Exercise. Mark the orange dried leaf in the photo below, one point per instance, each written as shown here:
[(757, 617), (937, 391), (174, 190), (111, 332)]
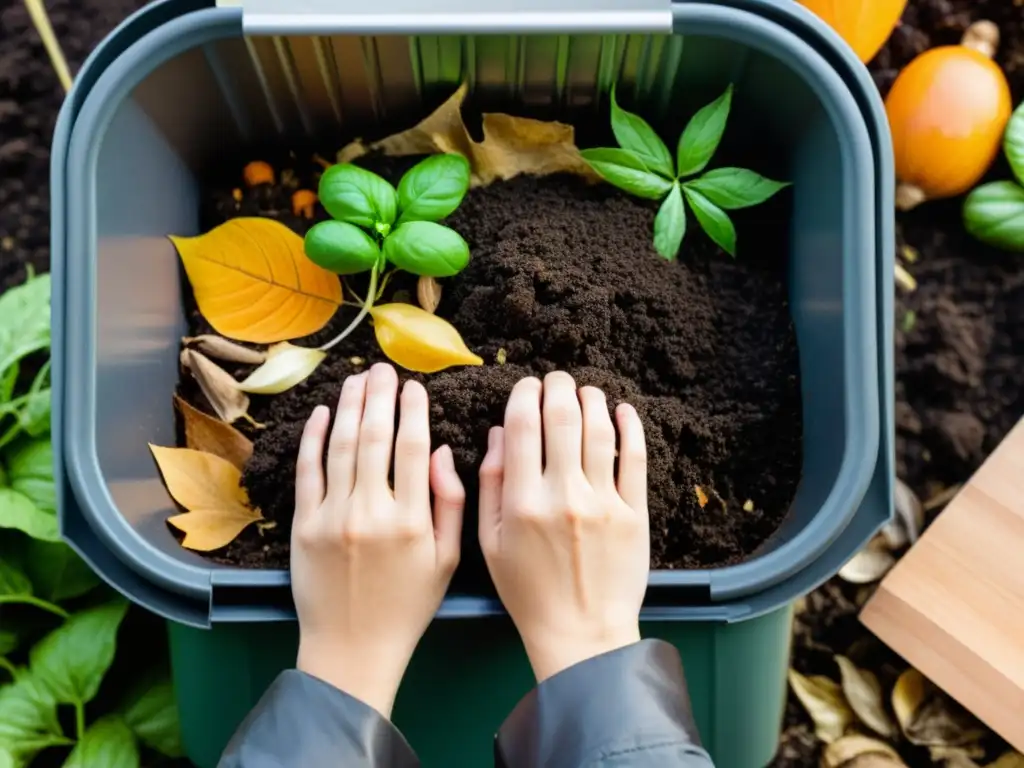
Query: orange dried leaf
[(209, 487), (258, 172), (303, 201), (865, 25), (419, 341), (253, 282), (702, 498), (211, 435)]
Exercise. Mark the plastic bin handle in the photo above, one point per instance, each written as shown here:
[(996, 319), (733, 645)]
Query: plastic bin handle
[(452, 17)]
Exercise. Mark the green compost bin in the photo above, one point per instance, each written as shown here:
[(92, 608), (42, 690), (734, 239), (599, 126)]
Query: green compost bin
[(182, 78)]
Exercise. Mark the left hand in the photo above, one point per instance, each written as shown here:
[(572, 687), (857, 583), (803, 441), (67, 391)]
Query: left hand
[(370, 565)]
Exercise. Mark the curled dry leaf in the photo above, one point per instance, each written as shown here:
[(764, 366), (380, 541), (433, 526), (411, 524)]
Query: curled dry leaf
[(928, 717), (864, 694), (221, 390), (511, 145), (957, 757), (905, 528), (824, 701), (253, 282), (210, 488), (224, 349), (205, 433), (286, 366), (853, 749), (1008, 760), (868, 565), (418, 340), (428, 293)]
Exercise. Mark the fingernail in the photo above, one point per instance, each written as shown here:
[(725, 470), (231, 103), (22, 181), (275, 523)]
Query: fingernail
[(317, 411)]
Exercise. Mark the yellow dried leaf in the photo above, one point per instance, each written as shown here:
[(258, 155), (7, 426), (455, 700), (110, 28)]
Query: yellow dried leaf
[(864, 694), (253, 282), (957, 757), (286, 366), (223, 349), (210, 488), (928, 717), (227, 400), (418, 340), (511, 145), (205, 433), (824, 701), (854, 749)]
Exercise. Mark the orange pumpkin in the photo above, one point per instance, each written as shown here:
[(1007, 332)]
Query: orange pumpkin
[(947, 111), (865, 25)]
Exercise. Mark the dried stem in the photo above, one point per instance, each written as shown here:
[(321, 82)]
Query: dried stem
[(41, 20)]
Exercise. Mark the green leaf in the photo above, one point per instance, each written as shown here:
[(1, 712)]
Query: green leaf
[(7, 759), (30, 472), (9, 642), (1013, 142), (56, 572), (28, 719), (702, 135), (152, 713), (109, 743), (670, 224), (634, 134), (426, 248), (354, 194), (994, 214), (24, 320), (732, 188), (8, 379), (13, 581), (433, 188), (71, 660), (341, 247), (17, 511), (625, 170), (713, 220)]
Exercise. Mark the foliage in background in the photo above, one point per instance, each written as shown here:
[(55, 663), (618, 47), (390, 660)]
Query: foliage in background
[(60, 626), (643, 166), (994, 212)]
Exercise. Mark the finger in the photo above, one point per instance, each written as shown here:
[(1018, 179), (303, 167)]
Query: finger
[(449, 502), (309, 468), (632, 458), (341, 454), (492, 472), (412, 451), (598, 439), (377, 432), (563, 425), (522, 449)]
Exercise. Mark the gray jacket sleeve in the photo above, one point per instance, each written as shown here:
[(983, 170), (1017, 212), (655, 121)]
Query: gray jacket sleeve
[(628, 708), (303, 722)]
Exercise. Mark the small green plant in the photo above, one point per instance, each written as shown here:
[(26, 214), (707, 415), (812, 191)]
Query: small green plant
[(375, 224), (643, 166), (994, 212)]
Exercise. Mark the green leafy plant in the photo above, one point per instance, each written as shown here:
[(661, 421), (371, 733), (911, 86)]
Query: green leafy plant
[(994, 212), (643, 166), (60, 625), (374, 224)]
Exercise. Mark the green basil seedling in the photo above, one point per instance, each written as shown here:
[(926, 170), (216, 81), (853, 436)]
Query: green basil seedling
[(643, 166), (373, 224), (994, 212)]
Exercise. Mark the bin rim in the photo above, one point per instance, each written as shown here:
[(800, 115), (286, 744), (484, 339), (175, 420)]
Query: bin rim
[(731, 587)]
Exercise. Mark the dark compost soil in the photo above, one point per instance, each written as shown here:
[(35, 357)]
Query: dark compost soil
[(564, 276), (959, 363)]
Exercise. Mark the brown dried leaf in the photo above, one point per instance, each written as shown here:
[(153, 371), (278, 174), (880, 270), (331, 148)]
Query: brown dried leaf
[(210, 488), (1008, 760), (220, 348), (428, 293), (854, 749), (864, 693), (226, 399), (511, 145), (210, 435), (824, 701), (928, 717)]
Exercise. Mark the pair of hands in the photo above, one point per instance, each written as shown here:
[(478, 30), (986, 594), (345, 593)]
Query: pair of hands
[(565, 540)]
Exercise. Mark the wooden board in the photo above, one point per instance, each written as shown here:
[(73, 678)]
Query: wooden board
[(953, 606)]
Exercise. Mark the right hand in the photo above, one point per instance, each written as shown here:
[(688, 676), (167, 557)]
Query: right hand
[(566, 542)]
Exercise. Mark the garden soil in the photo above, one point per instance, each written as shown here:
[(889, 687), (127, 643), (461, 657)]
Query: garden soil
[(563, 276)]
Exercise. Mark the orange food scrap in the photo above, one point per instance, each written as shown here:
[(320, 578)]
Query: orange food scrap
[(702, 498), (303, 201), (258, 172), (236, 193)]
